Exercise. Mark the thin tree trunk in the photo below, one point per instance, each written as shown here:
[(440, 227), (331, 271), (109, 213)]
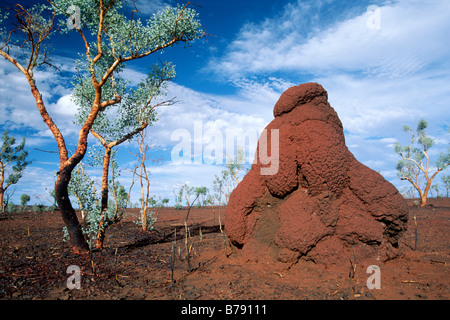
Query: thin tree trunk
[(416, 236), (2, 179), (102, 225), (105, 173), (77, 240), (147, 194), (2, 191)]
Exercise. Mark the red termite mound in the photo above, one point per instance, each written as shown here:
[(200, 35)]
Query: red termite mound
[(320, 204)]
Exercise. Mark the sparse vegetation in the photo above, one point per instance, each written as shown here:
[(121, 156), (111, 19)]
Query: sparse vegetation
[(14, 157), (111, 38), (446, 182), (95, 222)]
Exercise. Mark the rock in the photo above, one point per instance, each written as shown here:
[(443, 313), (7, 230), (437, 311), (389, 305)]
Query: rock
[(321, 203)]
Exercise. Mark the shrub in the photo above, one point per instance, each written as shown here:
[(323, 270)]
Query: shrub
[(11, 207), (178, 206), (151, 220), (38, 208)]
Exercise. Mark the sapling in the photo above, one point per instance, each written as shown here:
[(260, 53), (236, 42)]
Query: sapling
[(147, 219)]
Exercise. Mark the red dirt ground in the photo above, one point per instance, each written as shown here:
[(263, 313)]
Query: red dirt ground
[(136, 264)]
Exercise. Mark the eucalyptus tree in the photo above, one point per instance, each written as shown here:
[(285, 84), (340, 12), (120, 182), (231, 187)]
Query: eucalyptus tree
[(186, 192), (14, 157), (111, 37), (414, 165), (224, 184), (131, 115), (201, 192)]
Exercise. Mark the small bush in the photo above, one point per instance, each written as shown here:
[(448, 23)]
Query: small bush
[(151, 220), (178, 206), (11, 207), (38, 208)]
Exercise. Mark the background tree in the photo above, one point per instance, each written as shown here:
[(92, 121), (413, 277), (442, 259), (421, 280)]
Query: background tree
[(436, 188), (236, 164), (143, 174), (224, 184), (414, 164), (111, 38), (201, 193), (186, 192), (446, 182), (11, 155), (24, 198)]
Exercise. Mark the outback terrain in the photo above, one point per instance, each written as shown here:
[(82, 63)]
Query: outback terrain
[(138, 265)]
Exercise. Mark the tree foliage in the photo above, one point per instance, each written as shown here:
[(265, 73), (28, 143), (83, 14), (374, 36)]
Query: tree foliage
[(24, 199), (201, 193), (94, 221), (228, 179)]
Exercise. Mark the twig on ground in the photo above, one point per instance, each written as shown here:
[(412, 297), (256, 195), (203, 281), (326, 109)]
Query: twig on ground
[(172, 261), (115, 269), (352, 265)]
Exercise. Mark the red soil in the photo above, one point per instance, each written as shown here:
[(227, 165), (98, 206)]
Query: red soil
[(136, 264)]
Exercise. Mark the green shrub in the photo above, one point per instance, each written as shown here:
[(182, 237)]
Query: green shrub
[(178, 206), (11, 207), (151, 220)]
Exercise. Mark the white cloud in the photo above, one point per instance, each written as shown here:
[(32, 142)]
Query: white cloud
[(149, 7), (377, 80), (18, 107), (212, 113), (412, 35)]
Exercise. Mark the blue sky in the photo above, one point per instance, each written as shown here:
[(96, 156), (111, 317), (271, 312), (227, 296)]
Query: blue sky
[(383, 63)]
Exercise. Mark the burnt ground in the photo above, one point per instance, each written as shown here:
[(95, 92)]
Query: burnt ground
[(137, 265)]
